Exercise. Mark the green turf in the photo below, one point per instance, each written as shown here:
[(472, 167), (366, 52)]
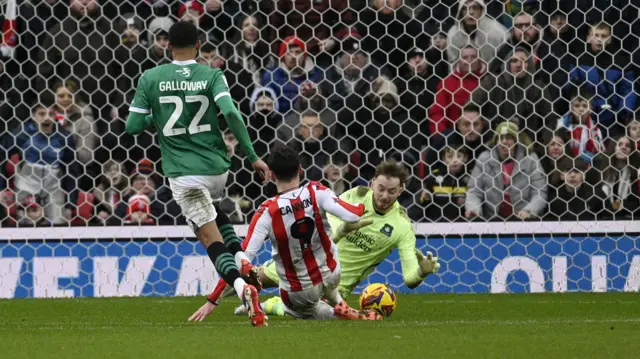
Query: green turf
[(424, 326)]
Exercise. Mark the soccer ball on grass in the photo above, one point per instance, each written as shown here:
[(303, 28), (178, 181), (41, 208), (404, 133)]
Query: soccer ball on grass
[(379, 298)]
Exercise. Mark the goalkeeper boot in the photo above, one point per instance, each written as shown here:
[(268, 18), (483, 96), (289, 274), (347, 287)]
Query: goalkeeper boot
[(273, 306), (252, 302), (250, 274)]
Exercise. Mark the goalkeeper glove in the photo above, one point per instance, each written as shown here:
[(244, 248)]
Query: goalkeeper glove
[(428, 264), (350, 227)]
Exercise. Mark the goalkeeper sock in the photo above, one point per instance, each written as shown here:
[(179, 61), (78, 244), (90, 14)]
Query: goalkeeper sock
[(231, 240), (226, 266)]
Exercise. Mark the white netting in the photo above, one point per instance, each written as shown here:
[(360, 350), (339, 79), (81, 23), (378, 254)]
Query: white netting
[(429, 83)]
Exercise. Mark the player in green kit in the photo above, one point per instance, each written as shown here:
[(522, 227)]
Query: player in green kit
[(360, 248), (184, 101)]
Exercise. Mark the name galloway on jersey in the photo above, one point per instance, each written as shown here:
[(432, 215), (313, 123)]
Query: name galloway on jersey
[(182, 85)]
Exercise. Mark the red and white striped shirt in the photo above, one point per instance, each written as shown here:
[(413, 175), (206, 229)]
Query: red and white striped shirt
[(295, 222)]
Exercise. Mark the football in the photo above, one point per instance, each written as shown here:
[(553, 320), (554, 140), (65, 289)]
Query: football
[(380, 298)]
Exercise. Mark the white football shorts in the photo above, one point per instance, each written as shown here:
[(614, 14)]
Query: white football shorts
[(196, 195)]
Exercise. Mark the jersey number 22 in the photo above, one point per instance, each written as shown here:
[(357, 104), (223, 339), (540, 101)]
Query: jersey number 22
[(194, 126)]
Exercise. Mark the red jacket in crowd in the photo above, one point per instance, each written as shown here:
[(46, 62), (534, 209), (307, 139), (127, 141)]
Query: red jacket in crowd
[(452, 94)]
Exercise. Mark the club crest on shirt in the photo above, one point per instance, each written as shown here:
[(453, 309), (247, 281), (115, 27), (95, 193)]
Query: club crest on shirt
[(387, 229), (185, 71)]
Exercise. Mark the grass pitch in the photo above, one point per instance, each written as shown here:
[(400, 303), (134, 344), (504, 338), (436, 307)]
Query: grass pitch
[(423, 326)]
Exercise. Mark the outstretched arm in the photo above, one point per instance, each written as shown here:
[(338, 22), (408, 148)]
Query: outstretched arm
[(329, 202), (415, 266)]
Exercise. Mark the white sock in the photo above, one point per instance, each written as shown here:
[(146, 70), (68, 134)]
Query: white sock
[(238, 285), (239, 256)]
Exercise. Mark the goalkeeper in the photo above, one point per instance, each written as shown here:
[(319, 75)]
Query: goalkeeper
[(361, 245)]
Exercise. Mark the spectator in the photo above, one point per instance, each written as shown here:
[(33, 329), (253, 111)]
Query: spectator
[(605, 70), (296, 76), (349, 79), (585, 136), (633, 130), (455, 90), (143, 181), (193, 12), (33, 215), (82, 46), (515, 93), (158, 36), (249, 49), (557, 57), (138, 211), (219, 18), (336, 174), (75, 116), (507, 182), (574, 197), (470, 133), (243, 192), (474, 27), (314, 142), (615, 175), (391, 127), (387, 32), (445, 189), (108, 193), (128, 59), (313, 22), (264, 119), (417, 82), (238, 79), (437, 55), (524, 34), (46, 152), (555, 152)]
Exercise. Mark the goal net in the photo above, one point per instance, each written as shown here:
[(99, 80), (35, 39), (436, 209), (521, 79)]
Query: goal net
[(517, 121)]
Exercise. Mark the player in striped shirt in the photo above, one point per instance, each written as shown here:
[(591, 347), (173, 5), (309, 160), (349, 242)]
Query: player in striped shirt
[(304, 254), (360, 250)]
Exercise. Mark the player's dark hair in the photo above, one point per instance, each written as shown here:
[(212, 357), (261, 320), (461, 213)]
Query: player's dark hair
[(183, 34), (284, 162), (392, 169)]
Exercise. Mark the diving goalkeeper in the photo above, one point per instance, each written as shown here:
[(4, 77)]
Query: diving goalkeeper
[(361, 245)]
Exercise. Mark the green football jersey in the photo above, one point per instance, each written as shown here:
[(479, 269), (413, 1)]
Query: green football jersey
[(181, 98), (361, 251)]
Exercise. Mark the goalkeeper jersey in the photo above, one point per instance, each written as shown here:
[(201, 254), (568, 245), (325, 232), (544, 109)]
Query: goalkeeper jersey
[(362, 250), (182, 98)]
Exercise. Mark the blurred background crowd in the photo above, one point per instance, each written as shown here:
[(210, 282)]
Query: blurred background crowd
[(501, 109)]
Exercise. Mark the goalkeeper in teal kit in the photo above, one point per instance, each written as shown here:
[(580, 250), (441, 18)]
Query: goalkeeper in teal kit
[(361, 245), (184, 101)]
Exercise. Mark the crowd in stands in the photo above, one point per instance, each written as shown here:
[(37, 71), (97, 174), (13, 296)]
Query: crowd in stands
[(502, 110)]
